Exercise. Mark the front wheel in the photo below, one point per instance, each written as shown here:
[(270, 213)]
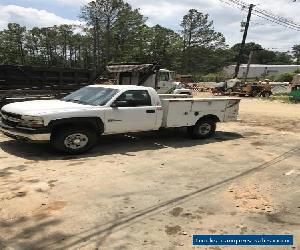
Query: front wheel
[(202, 129), (73, 140)]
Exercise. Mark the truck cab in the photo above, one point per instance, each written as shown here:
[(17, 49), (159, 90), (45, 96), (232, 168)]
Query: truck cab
[(167, 83), (148, 75)]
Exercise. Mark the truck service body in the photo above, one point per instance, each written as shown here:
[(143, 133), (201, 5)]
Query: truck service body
[(73, 124)]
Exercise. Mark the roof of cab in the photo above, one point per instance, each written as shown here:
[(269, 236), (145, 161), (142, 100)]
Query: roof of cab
[(121, 87)]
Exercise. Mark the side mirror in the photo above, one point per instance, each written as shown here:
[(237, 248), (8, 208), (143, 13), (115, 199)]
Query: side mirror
[(118, 104), (114, 106)]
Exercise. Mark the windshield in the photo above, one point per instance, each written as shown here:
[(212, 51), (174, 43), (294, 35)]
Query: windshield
[(95, 96)]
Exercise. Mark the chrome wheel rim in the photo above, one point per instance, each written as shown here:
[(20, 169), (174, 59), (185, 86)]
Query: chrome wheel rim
[(76, 141), (204, 129)]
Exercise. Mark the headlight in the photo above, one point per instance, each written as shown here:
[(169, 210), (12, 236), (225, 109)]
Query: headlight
[(32, 121)]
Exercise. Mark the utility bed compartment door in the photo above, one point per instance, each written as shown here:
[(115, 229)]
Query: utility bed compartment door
[(176, 113), (215, 107)]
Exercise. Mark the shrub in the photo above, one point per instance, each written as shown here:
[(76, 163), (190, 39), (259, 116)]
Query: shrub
[(285, 77)]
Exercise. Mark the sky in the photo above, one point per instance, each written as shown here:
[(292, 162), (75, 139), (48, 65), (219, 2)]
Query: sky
[(168, 13)]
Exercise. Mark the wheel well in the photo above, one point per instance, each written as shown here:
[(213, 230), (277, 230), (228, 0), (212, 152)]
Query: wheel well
[(210, 117), (93, 123)]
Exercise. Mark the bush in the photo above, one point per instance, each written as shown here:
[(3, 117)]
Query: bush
[(285, 77), (211, 77)]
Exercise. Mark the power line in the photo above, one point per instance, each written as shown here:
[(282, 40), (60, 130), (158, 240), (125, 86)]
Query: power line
[(242, 8), (270, 15), (270, 19), (265, 14), (280, 18), (277, 22)]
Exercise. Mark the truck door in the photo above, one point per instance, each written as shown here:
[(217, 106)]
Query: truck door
[(133, 112), (164, 83)]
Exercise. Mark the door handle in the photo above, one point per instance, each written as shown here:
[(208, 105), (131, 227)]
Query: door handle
[(150, 111)]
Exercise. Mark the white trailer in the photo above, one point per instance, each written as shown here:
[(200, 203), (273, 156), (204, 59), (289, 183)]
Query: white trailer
[(260, 70)]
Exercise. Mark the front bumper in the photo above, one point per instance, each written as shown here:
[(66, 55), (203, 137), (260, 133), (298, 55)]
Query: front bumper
[(22, 134)]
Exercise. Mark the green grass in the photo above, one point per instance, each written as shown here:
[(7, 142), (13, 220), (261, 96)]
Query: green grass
[(283, 98), (281, 94)]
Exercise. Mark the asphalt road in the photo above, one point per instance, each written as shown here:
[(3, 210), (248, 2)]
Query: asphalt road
[(155, 190)]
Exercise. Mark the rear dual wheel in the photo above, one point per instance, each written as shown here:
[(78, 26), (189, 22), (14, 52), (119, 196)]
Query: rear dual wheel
[(202, 129)]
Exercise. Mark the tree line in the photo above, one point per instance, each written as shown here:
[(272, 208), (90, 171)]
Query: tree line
[(114, 32)]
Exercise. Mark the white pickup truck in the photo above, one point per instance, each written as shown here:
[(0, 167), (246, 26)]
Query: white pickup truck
[(73, 125)]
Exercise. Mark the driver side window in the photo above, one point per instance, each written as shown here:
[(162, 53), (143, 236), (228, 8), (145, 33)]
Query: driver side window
[(135, 98)]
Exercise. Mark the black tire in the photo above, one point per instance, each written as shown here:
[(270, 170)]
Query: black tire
[(63, 140), (202, 129)]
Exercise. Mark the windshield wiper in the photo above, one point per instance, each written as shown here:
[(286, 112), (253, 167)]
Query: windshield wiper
[(76, 101)]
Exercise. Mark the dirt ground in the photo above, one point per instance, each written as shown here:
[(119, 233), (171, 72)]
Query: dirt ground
[(155, 190)]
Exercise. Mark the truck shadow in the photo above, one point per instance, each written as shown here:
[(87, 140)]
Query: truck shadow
[(116, 144), (31, 227)]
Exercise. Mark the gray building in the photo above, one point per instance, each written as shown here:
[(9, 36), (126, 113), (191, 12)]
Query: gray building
[(261, 70)]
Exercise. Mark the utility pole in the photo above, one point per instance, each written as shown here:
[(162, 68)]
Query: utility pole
[(239, 58), (248, 65)]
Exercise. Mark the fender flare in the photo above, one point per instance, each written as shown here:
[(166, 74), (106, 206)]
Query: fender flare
[(91, 122), (214, 118)]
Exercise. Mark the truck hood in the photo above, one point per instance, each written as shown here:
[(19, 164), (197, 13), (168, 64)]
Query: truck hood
[(44, 107)]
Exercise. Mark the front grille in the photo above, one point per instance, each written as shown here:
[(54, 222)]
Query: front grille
[(9, 123), (12, 115), (10, 119)]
